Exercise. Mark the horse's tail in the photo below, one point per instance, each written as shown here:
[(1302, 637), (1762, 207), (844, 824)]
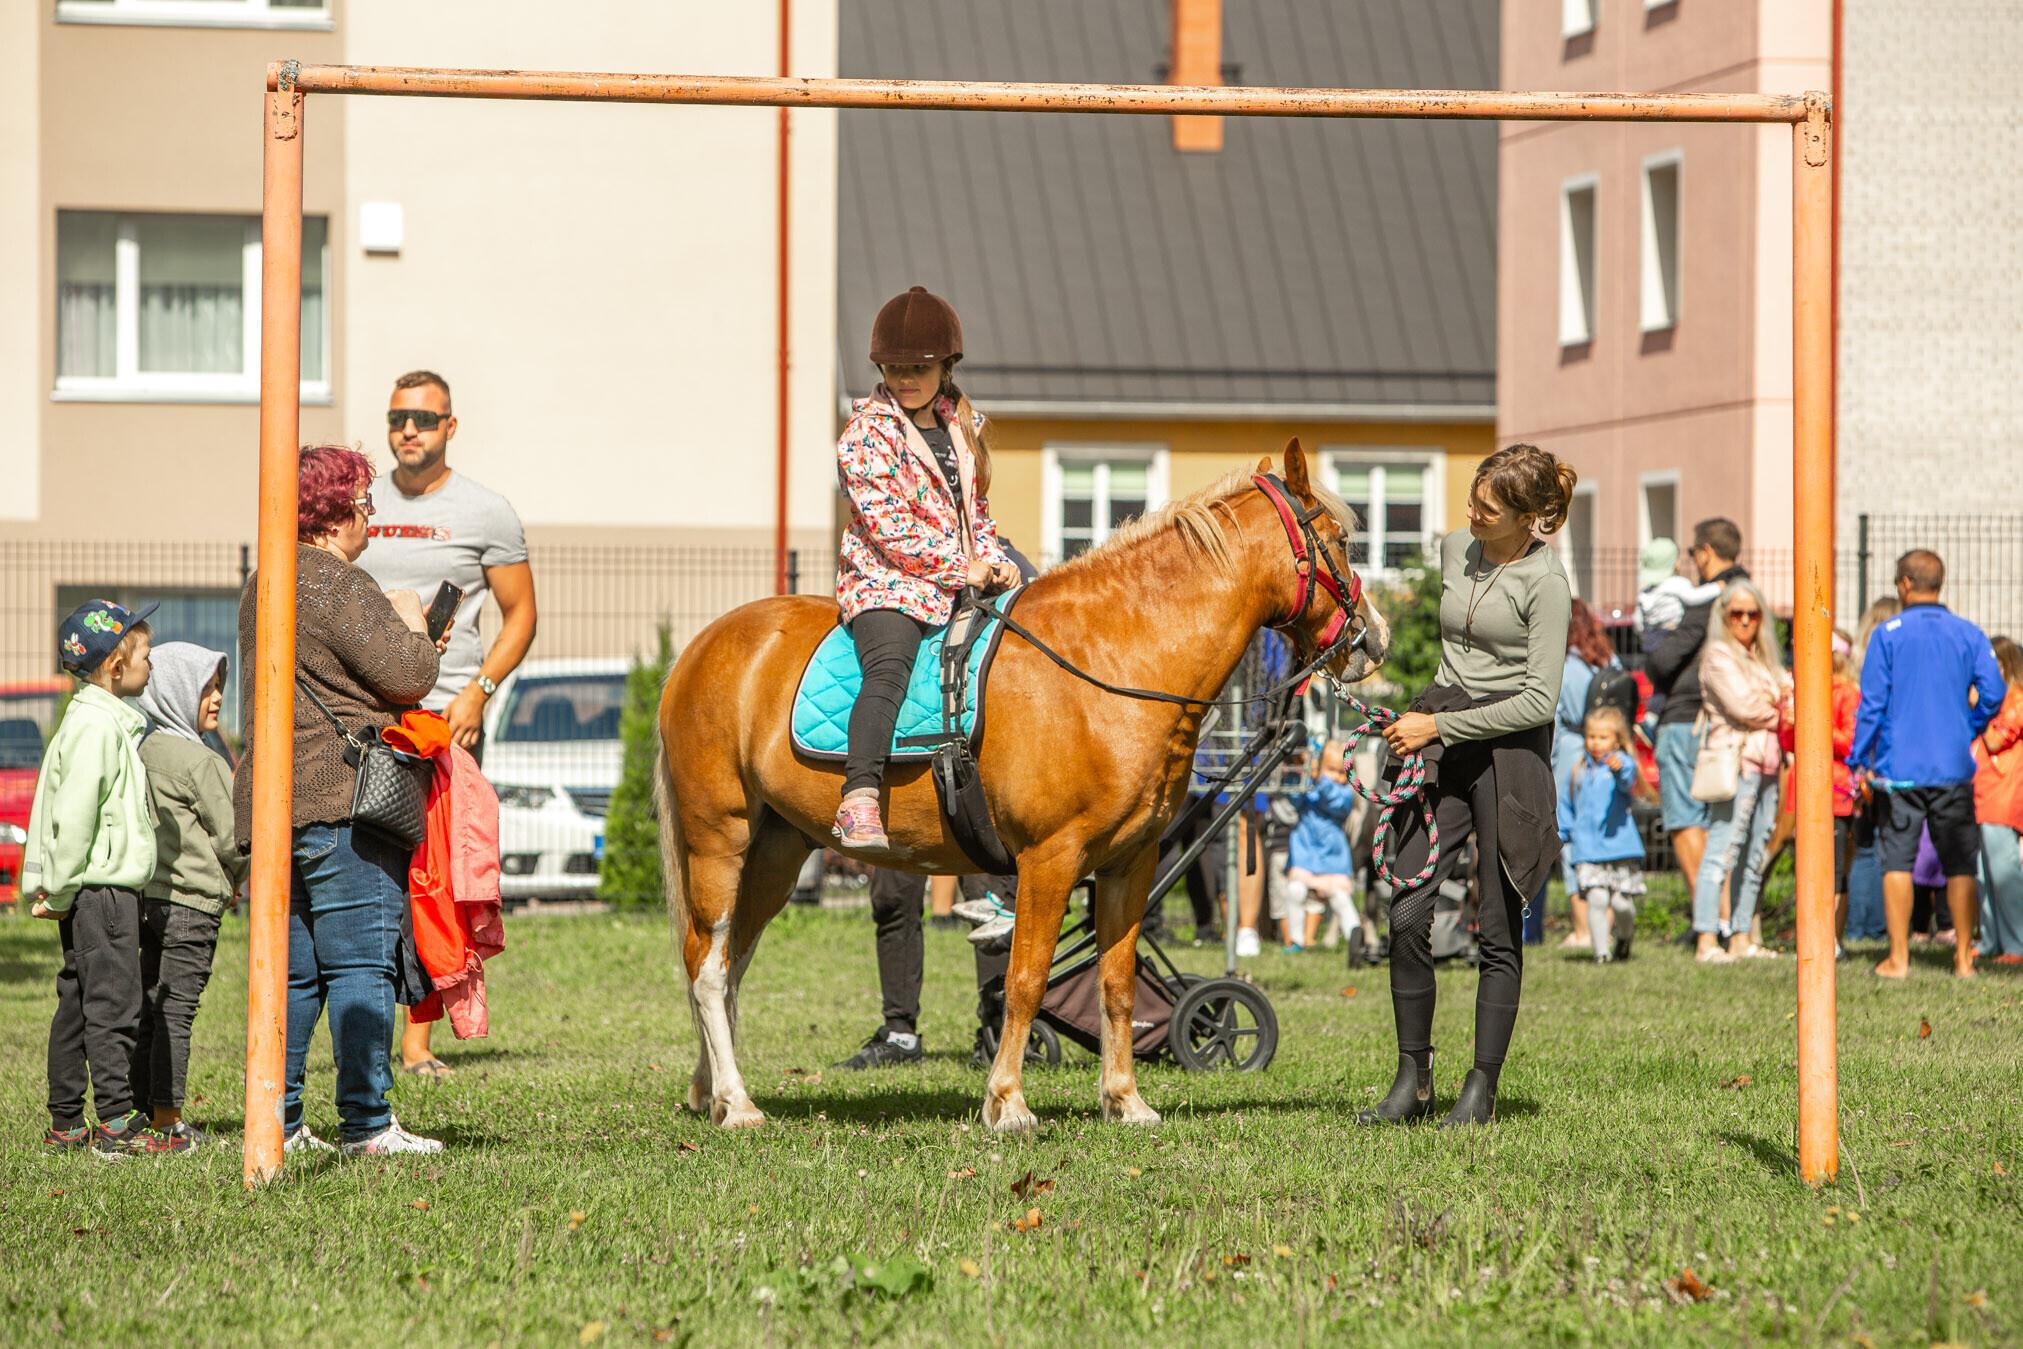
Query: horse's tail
[(670, 858)]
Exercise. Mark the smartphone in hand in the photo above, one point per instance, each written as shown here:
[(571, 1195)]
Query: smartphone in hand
[(442, 609)]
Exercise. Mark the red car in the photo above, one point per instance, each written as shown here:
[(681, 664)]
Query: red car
[(27, 715)]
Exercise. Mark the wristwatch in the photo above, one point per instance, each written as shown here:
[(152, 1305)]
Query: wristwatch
[(486, 686)]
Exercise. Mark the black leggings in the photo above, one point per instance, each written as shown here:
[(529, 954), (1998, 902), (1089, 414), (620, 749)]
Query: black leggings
[(887, 643), (1464, 803)]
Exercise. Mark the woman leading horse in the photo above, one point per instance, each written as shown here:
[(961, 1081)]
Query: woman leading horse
[(1080, 781)]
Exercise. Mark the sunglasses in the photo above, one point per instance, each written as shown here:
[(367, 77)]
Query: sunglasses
[(1745, 613), (398, 418)]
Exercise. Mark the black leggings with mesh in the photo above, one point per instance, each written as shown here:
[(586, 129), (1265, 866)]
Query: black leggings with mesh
[(1464, 804)]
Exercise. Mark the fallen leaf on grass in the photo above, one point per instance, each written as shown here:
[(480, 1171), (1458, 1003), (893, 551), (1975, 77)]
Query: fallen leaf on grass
[(576, 1218), (590, 1333), (687, 1146), (2000, 1170), (1349, 992), (1025, 1187), (1029, 1223), (1331, 1283), (1235, 1260), (1283, 1252), (963, 1173), (1978, 1298), (1738, 1082), (421, 1204), (663, 1335), (1901, 1143), (58, 1194), (1924, 1029), (652, 1067), (1136, 1171), (1688, 1288), (969, 1268)]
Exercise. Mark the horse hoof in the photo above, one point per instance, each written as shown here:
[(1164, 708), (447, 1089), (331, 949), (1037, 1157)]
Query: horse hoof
[(1011, 1118), (737, 1115), (1131, 1110), (698, 1097)]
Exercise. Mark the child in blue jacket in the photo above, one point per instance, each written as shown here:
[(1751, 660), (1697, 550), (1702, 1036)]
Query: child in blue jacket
[(1319, 862), (1601, 837)]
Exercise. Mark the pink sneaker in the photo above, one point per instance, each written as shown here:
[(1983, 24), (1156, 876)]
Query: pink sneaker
[(858, 823)]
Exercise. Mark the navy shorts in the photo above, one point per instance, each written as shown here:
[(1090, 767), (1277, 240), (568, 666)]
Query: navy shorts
[(1947, 811)]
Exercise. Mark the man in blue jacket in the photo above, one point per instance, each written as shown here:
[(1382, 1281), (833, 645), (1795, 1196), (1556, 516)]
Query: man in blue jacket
[(1929, 685)]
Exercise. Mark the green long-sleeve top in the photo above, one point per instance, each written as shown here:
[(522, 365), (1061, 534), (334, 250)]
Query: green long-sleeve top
[(198, 863), (90, 823), (1515, 643)]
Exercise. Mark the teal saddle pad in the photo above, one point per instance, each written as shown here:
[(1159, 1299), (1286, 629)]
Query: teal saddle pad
[(830, 682)]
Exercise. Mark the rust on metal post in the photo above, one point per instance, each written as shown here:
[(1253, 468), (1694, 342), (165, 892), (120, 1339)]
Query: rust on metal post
[(960, 95), (1812, 634), (273, 659)]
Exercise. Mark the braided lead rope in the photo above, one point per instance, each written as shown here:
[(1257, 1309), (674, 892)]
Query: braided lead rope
[(1411, 786)]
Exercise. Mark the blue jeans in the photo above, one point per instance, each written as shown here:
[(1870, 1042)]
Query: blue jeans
[(344, 906), (2001, 892), (1738, 836), (1678, 749)]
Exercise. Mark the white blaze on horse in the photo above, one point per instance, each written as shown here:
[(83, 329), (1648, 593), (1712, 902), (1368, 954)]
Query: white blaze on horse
[(1080, 781)]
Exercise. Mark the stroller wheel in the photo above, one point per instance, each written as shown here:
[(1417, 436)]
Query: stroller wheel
[(1180, 983), (1043, 1047), (1223, 1023)]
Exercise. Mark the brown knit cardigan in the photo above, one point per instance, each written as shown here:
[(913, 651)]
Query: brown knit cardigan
[(364, 663)]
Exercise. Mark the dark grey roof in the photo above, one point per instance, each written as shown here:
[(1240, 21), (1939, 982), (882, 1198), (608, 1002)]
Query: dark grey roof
[(1311, 261)]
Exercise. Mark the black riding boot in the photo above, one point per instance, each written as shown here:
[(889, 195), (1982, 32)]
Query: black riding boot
[(1411, 1097), (1476, 1104)]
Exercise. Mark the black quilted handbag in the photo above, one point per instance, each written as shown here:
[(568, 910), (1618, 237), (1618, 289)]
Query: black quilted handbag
[(392, 791)]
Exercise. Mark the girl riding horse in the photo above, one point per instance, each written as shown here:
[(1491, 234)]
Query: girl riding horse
[(920, 530)]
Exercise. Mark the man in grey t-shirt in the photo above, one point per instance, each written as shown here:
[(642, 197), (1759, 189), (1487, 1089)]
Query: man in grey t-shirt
[(435, 526), (431, 525)]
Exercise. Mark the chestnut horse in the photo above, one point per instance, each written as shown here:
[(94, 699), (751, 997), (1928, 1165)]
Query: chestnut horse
[(1080, 781)]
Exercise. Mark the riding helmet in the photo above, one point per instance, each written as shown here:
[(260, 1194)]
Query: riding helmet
[(917, 328)]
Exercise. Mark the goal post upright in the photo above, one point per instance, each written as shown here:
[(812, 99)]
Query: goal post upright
[(1809, 115)]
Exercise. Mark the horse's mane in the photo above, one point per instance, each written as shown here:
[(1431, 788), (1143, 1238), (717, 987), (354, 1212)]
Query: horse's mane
[(1194, 517)]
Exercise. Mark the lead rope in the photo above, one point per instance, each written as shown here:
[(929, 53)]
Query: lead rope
[(1411, 785)]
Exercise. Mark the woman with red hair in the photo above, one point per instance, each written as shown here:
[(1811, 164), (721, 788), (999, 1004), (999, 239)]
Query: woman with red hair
[(1588, 653), (361, 656)]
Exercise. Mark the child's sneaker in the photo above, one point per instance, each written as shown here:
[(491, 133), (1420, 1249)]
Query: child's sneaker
[(392, 1141), (858, 824), (184, 1129), (67, 1140), (1246, 941), (134, 1137), (304, 1141)]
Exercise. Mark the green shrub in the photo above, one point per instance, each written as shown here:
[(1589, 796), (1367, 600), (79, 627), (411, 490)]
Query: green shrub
[(630, 872), (1412, 607)]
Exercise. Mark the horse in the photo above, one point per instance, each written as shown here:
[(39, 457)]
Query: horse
[(1080, 781)]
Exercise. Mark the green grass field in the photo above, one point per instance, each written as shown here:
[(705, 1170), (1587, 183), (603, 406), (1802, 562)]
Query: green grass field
[(1647, 1125)]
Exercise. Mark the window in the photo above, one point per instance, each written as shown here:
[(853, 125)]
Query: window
[(1396, 495), (1578, 541), (199, 13), (168, 306), (1659, 507), (1577, 262), (1091, 490), (1576, 18), (1661, 242)]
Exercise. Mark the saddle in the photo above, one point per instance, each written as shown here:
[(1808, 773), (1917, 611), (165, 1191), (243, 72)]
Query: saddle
[(940, 719)]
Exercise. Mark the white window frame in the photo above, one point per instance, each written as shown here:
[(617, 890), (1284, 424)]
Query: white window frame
[(1433, 509), (196, 14), (1658, 4), (1576, 18), (1645, 481), (130, 384), (1579, 304), (1156, 457), (1567, 542), (1658, 310)]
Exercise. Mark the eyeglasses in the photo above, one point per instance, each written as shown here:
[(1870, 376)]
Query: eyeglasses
[(398, 418), (364, 504), (1752, 615)]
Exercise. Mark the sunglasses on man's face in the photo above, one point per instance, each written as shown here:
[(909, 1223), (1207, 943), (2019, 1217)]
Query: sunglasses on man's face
[(398, 418)]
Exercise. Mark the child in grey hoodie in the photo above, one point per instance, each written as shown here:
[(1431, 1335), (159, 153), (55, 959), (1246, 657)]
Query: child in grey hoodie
[(197, 871)]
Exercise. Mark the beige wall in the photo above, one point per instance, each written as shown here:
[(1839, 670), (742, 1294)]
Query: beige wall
[(21, 396), (598, 282), (1709, 398)]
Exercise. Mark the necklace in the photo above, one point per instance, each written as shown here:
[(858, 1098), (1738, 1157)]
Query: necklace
[(1483, 588)]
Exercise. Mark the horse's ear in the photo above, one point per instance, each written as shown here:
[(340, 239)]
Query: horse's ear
[(1296, 469), (1264, 465)]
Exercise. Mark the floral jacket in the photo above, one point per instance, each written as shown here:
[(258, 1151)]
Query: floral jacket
[(905, 548)]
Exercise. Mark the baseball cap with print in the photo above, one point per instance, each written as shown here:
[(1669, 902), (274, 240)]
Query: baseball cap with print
[(92, 631)]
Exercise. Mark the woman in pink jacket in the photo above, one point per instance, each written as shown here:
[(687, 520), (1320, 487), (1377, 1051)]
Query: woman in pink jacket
[(913, 463), (1747, 699)]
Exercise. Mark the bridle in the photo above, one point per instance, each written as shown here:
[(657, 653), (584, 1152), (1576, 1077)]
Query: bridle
[(1307, 546)]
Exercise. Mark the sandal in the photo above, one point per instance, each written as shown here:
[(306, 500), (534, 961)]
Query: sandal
[(435, 1068), (1714, 955)]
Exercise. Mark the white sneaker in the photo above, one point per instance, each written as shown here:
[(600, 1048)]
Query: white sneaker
[(992, 934), (1246, 941), (978, 910), (391, 1141), (304, 1141)]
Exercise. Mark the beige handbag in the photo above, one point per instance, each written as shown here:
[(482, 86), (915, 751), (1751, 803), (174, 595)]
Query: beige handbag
[(1717, 772)]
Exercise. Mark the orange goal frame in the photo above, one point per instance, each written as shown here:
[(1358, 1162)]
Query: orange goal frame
[(1812, 167)]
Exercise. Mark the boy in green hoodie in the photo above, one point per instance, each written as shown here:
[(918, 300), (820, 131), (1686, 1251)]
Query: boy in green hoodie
[(198, 867), (91, 847)]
